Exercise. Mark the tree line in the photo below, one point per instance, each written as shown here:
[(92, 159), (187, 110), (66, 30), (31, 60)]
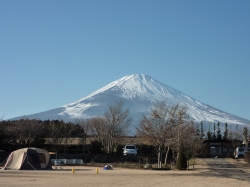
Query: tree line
[(109, 130), (166, 127)]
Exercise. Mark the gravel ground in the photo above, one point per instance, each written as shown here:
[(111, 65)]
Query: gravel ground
[(208, 172)]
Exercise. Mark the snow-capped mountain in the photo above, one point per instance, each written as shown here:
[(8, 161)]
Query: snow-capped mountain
[(139, 93)]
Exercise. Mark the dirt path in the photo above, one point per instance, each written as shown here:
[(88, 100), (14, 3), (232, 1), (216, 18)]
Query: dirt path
[(234, 168), (209, 172)]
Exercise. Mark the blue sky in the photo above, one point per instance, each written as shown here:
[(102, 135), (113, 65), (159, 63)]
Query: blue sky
[(55, 52)]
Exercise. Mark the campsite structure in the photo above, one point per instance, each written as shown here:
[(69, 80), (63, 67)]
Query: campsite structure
[(28, 159)]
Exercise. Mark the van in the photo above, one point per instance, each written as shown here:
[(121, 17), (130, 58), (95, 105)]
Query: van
[(240, 152), (130, 150)]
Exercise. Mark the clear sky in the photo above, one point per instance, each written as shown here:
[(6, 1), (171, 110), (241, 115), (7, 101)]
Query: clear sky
[(55, 52)]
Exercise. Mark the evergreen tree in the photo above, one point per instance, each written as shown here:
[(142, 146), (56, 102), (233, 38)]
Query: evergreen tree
[(225, 137), (218, 132), (230, 133), (209, 134), (181, 160), (245, 133), (248, 135), (214, 135), (198, 130), (202, 130)]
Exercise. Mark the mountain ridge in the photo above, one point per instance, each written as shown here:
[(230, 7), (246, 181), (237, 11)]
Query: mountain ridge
[(139, 91)]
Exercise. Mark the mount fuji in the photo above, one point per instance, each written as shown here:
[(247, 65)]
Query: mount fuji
[(139, 92)]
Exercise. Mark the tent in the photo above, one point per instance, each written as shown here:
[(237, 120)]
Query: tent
[(28, 159)]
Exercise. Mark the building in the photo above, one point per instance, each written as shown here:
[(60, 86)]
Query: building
[(218, 148)]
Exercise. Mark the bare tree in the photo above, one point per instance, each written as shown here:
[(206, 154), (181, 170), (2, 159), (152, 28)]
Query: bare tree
[(32, 129), (180, 119), (59, 133), (7, 135), (118, 122), (99, 130), (193, 143), (159, 126), (24, 131), (66, 130), (236, 137), (86, 129)]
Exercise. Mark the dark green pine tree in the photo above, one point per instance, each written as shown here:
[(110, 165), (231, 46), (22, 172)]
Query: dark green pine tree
[(209, 134), (181, 160), (202, 130), (198, 130), (225, 137), (218, 132), (214, 134), (245, 133)]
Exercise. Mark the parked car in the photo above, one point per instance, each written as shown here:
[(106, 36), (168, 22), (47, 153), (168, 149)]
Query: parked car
[(240, 152), (130, 150)]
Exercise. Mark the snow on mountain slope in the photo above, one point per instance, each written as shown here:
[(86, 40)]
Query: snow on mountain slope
[(139, 93)]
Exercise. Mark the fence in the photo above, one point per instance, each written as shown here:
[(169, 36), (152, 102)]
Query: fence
[(68, 161)]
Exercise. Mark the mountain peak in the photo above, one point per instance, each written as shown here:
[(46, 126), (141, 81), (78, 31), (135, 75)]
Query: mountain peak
[(139, 91), (128, 86)]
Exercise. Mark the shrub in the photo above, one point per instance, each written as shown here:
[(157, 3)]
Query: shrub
[(181, 160)]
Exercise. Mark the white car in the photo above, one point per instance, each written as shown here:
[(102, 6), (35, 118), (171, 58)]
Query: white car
[(130, 150), (240, 152)]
